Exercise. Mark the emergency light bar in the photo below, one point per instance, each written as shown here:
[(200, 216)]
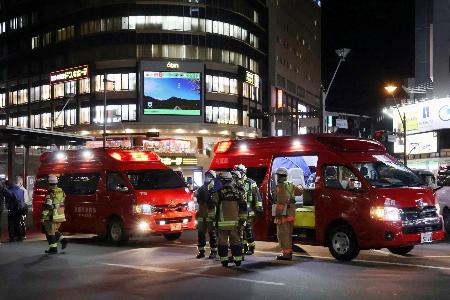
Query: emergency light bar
[(222, 147), (133, 155), (90, 155)]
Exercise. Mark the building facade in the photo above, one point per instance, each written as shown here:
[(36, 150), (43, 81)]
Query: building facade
[(294, 65), (181, 75)]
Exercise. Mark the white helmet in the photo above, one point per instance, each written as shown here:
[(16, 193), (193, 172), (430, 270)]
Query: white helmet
[(226, 176), (281, 171), (52, 179), (236, 173), (212, 173), (241, 168)]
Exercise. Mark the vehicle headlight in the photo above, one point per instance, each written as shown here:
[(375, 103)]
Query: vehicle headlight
[(385, 213), (145, 209), (191, 206), (143, 226)]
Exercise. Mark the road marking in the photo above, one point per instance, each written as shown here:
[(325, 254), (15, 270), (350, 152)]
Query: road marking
[(167, 270)]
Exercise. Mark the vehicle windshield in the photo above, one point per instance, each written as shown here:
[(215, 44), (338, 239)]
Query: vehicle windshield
[(155, 179), (387, 173)]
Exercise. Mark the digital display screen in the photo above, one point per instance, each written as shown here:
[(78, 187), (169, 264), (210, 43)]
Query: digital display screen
[(172, 93)]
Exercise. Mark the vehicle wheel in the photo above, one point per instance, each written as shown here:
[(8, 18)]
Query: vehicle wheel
[(342, 243), (172, 236), (446, 216), (401, 250), (116, 232)]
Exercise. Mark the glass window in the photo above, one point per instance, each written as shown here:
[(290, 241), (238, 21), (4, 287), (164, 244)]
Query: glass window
[(70, 87), (58, 90), (85, 113), (208, 114), (155, 179), (132, 81), (79, 184), (46, 120), (124, 112), (208, 83), (84, 85), (215, 87), (45, 92), (116, 183), (384, 172), (338, 177), (2, 100), (132, 112)]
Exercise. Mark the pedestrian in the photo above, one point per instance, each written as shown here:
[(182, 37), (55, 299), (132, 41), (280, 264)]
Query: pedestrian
[(53, 215), (14, 203), (284, 211), (205, 216), (230, 213), (254, 205), (24, 209)]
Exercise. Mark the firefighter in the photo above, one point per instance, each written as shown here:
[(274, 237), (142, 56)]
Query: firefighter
[(53, 216), (205, 216), (231, 212), (284, 211), (254, 204)]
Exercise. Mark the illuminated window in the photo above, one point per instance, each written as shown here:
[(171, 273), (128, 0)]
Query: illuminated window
[(36, 121), (70, 87), (2, 27), (255, 17), (45, 92), (70, 116), (35, 42), (84, 85), (85, 115), (46, 120), (122, 82), (59, 118), (47, 39), (2, 100), (58, 90), (116, 113), (2, 122), (35, 93), (18, 97), (13, 122), (221, 115)]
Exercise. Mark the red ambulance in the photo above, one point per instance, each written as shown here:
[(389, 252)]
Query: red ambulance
[(116, 193), (356, 196)]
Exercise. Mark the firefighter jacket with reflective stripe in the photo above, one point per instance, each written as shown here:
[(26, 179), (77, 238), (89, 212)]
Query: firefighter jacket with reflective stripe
[(285, 201), (53, 210), (206, 208), (252, 195), (231, 207)]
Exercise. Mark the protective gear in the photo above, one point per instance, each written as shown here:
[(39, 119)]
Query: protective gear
[(231, 209), (205, 220), (236, 175), (241, 168), (254, 204), (226, 176), (282, 171), (53, 216), (284, 213), (210, 175), (52, 179)]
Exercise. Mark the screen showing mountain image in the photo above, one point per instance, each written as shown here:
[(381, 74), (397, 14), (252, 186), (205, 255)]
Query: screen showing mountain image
[(172, 93)]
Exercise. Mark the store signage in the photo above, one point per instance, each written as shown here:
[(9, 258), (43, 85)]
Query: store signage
[(424, 116), (342, 123), (179, 161), (171, 65), (69, 74), (417, 143), (252, 78)]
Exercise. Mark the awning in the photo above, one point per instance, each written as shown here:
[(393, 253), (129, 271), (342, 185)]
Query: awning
[(39, 137)]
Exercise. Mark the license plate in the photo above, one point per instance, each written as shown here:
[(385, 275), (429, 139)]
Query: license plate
[(426, 237), (175, 227)]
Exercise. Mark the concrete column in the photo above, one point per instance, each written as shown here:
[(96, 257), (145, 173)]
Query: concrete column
[(11, 158)]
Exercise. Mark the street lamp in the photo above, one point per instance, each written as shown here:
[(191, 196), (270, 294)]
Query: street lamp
[(342, 53), (105, 83), (390, 89)]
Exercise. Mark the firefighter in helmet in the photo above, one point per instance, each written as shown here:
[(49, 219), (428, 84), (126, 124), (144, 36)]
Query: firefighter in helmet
[(231, 212), (53, 216), (254, 205), (284, 211)]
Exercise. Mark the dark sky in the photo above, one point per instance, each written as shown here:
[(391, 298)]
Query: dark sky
[(381, 36)]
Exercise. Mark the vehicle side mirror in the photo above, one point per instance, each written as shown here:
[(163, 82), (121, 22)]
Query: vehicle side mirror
[(355, 185)]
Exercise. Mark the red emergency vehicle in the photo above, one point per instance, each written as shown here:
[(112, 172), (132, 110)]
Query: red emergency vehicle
[(356, 196), (116, 193)]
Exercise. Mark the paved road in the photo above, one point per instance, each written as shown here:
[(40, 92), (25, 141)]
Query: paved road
[(158, 269)]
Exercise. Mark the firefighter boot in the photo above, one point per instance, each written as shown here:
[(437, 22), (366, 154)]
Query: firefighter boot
[(201, 254), (251, 250), (53, 246), (63, 243), (213, 254)]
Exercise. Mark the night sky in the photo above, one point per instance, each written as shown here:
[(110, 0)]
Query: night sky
[(381, 36)]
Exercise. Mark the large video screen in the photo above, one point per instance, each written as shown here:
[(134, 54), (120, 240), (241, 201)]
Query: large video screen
[(172, 93)]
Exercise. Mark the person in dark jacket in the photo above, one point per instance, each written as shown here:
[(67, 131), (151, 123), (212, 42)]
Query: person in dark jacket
[(2, 203), (205, 216), (14, 203)]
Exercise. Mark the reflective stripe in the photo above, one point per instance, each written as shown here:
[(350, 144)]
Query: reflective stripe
[(201, 248), (251, 213), (224, 258), (213, 249), (252, 244), (237, 258), (53, 245), (227, 223), (243, 216)]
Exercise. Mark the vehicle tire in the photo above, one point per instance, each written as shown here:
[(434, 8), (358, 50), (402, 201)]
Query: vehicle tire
[(342, 243), (401, 250), (172, 236), (116, 232), (446, 216)]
